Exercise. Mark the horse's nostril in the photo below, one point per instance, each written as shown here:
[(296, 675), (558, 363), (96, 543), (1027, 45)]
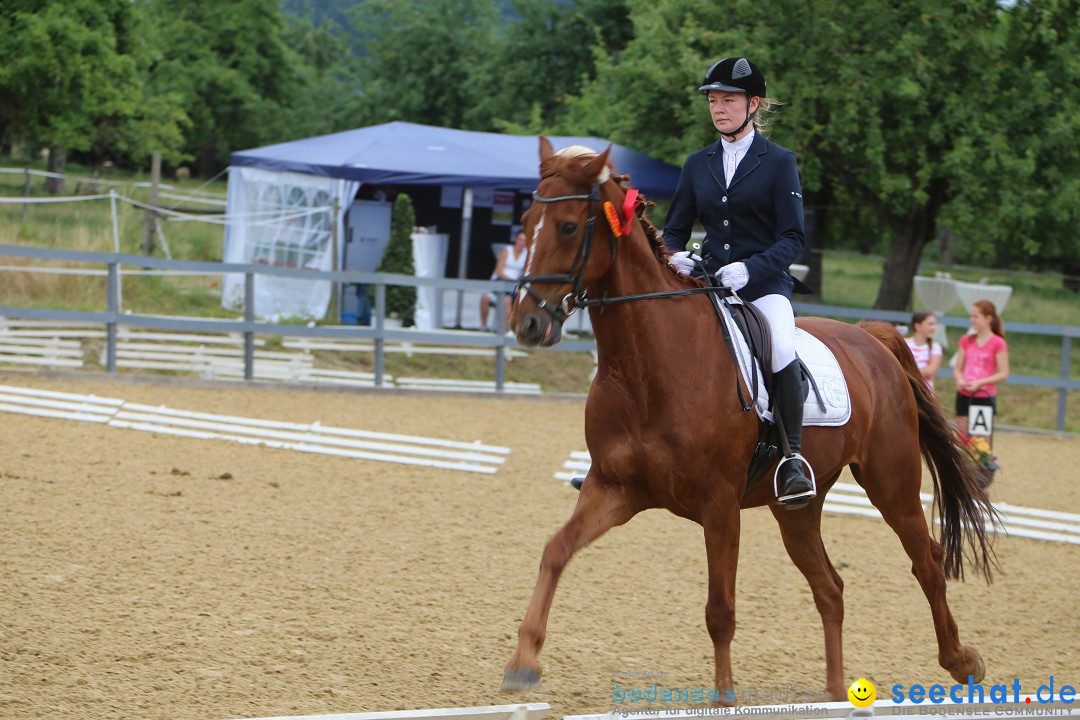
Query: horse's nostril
[(532, 329)]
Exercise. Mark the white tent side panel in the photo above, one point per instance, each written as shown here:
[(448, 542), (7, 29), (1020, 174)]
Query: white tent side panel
[(283, 219)]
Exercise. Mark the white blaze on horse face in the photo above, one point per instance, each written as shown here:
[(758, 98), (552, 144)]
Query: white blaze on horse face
[(532, 254)]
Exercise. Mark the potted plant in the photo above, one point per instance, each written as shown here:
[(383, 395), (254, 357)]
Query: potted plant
[(398, 258)]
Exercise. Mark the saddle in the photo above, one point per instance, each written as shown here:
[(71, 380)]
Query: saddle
[(753, 327)]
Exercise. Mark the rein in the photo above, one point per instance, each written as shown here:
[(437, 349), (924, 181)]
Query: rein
[(605, 300)]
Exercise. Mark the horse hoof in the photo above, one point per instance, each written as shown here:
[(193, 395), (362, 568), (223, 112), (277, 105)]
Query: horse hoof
[(520, 679), (977, 674), (980, 668)]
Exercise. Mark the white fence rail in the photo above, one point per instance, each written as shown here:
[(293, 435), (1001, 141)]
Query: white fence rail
[(314, 437), (851, 499), (528, 711)]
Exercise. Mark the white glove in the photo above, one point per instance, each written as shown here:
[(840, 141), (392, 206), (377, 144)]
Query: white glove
[(734, 276), (683, 262)]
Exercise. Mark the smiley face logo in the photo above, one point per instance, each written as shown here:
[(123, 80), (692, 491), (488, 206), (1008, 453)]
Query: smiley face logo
[(862, 693)]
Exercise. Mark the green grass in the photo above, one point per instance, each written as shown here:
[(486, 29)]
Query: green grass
[(88, 225), (851, 280)]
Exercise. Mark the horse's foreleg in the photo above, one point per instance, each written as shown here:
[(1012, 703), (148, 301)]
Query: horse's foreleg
[(722, 550), (896, 496), (801, 532), (600, 507)]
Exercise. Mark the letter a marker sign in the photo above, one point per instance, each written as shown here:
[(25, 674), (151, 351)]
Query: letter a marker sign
[(981, 420)]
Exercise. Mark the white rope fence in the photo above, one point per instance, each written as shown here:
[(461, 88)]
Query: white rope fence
[(272, 217), (100, 181), (280, 216), (191, 198), (27, 200), (276, 216)]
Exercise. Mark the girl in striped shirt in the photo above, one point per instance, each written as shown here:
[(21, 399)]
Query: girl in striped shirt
[(927, 352)]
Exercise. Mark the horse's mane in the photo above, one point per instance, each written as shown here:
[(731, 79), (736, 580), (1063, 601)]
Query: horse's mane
[(651, 231), (660, 248)]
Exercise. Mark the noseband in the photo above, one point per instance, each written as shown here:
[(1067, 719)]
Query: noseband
[(575, 276)]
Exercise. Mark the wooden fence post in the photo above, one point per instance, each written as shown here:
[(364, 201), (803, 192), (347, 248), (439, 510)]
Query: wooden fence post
[(150, 222), (26, 193)]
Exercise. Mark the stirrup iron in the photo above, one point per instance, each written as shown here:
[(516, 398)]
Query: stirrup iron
[(792, 499)]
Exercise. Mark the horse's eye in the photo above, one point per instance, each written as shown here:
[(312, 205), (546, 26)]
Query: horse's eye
[(568, 228)]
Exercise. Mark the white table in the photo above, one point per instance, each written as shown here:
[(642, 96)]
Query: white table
[(938, 294), (997, 294)]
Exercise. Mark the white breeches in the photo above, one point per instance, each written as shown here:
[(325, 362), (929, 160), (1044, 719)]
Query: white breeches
[(777, 309)]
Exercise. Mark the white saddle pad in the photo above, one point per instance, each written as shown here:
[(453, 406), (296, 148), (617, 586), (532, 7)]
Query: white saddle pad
[(823, 367)]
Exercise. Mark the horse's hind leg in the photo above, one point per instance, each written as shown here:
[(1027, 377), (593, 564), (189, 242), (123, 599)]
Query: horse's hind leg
[(801, 532), (892, 481), (600, 507)]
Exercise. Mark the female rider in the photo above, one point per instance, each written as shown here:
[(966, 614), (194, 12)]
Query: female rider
[(745, 191)]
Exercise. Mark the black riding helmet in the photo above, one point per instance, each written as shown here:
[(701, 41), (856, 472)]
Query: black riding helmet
[(736, 75)]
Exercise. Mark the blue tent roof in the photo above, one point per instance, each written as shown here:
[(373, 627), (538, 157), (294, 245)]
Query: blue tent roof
[(410, 154)]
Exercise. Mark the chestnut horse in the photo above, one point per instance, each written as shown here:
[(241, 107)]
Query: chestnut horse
[(665, 427)]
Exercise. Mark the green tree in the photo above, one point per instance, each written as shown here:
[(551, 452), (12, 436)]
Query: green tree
[(70, 80), (423, 62), (232, 66), (904, 142), (325, 72), (881, 101), (1023, 204), (644, 96), (545, 56)]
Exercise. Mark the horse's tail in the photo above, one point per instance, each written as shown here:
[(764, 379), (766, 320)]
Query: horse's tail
[(960, 500)]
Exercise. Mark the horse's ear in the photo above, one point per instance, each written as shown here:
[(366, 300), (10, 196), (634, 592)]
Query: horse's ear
[(597, 168), (545, 149)]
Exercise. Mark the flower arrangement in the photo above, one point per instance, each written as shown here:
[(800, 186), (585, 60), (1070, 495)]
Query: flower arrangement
[(979, 448)]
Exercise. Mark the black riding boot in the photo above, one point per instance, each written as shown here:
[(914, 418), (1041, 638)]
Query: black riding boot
[(795, 489)]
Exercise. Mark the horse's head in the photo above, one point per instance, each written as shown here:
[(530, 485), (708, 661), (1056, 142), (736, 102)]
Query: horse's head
[(562, 225)]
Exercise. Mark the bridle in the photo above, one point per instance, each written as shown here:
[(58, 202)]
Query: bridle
[(575, 276)]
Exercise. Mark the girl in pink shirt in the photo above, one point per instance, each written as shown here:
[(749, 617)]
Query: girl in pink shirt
[(981, 362)]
